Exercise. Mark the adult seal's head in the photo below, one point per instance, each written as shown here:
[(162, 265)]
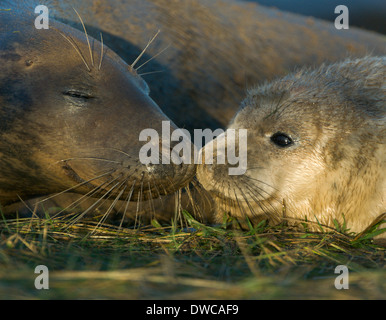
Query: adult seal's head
[(71, 113), (316, 148)]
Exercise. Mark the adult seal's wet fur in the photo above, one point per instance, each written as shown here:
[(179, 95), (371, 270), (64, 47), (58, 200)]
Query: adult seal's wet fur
[(316, 148), (71, 112)]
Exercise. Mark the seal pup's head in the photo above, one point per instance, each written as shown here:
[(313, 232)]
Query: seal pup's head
[(315, 148)]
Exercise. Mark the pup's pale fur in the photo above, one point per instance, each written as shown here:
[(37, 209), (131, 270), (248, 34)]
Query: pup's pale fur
[(336, 164)]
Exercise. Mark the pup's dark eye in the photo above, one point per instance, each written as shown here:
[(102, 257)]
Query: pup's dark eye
[(281, 139), (78, 94)]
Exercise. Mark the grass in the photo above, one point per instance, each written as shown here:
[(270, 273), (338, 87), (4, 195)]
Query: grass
[(194, 262)]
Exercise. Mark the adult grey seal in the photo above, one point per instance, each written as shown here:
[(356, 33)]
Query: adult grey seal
[(71, 114), (316, 148)]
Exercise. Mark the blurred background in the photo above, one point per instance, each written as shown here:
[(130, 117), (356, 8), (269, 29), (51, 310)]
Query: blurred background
[(370, 14)]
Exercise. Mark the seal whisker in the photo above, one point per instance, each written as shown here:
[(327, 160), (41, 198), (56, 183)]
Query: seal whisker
[(153, 57), (151, 72), (176, 206), (88, 40), (246, 200), (163, 187), (144, 50), (80, 216), (262, 182), (258, 202), (82, 198), (116, 187), (72, 42), (151, 203), (89, 158), (172, 183), (254, 190), (203, 196), (127, 200), (257, 190), (102, 52), (108, 211), (200, 190), (232, 201), (192, 202), (179, 206), (227, 206), (114, 149), (241, 208), (270, 213), (76, 186), (139, 203), (156, 188)]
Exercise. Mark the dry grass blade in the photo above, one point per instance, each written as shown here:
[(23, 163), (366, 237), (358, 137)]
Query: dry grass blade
[(199, 257)]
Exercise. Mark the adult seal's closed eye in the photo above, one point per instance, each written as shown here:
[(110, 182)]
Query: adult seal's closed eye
[(316, 148), (71, 112)]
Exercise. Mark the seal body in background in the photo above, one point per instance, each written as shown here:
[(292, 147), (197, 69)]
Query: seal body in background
[(316, 149)]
